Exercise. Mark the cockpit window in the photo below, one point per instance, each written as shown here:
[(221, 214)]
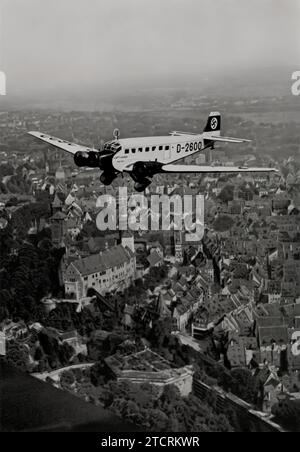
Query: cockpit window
[(107, 146), (116, 146), (112, 146)]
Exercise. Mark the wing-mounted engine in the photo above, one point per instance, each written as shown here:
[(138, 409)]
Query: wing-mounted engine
[(101, 160), (89, 159)]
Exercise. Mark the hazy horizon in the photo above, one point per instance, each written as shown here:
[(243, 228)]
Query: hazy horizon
[(64, 46)]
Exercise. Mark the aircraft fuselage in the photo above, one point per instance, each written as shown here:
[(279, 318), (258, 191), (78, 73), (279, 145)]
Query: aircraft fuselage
[(164, 149)]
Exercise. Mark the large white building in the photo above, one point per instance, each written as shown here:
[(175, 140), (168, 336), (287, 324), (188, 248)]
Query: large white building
[(2, 344), (112, 269), (149, 367)]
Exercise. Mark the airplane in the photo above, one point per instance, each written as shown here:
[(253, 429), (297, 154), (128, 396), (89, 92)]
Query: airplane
[(144, 157)]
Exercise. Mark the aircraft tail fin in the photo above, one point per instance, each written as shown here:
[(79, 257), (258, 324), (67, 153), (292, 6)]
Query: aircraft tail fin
[(212, 131), (213, 125)]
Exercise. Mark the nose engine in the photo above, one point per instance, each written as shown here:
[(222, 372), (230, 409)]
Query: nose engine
[(105, 162)]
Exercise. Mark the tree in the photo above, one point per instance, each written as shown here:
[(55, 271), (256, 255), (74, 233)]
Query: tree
[(18, 356), (287, 413), (245, 385), (227, 194), (223, 223), (158, 420), (100, 373), (160, 330), (67, 379)]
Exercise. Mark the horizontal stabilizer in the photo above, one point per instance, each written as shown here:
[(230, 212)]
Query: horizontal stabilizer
[(176, 133), (225, 139)]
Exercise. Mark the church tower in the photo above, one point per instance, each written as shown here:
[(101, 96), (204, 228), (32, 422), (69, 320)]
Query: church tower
[(56, 205), (58, 229), (127, 240), (178, 244)]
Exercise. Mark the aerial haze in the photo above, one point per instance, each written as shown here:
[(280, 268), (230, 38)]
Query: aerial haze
[(62, 46)]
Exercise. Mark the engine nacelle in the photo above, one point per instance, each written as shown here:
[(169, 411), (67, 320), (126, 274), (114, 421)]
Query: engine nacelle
[(105, 163), (142, 170), (89, 159)]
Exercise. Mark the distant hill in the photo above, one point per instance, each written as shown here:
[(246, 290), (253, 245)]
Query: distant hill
[(265, 82)]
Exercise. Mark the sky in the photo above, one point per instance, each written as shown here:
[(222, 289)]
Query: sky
[(74, 44)]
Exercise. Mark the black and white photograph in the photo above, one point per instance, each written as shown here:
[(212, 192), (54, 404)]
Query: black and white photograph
[(149, 219)]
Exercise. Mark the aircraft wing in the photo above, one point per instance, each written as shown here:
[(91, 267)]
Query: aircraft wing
[(213, 169), (72, 148), (226, 139)]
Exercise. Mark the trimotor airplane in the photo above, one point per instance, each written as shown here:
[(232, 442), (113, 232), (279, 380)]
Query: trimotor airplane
[(144, 157)]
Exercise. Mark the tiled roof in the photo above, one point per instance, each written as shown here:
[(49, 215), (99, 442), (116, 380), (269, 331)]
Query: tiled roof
[(278, 334), (110, 258), (271, 321), (71, 223), (59, 216), (96, 244), (154, 258), (57, 201), (155, 244), (69, 335), (129, 310)]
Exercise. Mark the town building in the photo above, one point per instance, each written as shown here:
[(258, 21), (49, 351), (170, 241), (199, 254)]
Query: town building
[(58, 229), (111, 270), (241, 350), (74, 340), (149, 367), (2, 344)]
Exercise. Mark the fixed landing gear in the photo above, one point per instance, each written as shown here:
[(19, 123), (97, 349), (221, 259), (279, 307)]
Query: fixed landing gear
[(142, 173), (141, 186), (107, 178)]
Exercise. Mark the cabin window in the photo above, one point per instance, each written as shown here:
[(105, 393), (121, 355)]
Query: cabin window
[(140, 149), (161, 148), (147, 149), (167, 148), (126, 151), (153, 148), (133, 150)]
